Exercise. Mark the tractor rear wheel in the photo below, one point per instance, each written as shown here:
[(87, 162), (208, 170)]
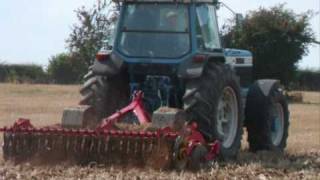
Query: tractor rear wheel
[(105, 95), (214, 102), (267, 119)]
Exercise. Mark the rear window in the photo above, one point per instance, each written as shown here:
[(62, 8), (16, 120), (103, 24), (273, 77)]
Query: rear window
[(155, 17), (155, 30)]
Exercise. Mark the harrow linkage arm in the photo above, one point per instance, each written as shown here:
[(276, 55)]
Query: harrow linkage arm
[(136, 106)]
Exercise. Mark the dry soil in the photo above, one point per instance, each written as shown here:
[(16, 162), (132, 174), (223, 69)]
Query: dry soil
[(44, 104)]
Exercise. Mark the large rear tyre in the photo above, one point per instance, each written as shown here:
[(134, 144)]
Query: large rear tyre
[(214, 102), (105, 95), (267, 119)]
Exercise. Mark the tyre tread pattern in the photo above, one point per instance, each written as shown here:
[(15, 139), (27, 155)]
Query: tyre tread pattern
[(201, 101), (105, 95), (258, 118)]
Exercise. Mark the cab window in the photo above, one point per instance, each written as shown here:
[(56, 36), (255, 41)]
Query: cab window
[(207, 27)]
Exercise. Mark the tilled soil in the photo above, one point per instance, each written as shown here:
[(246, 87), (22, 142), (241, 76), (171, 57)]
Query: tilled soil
[(262, 166), (44, 104)]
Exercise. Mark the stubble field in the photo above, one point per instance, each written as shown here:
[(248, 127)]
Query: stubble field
[(44, 105)]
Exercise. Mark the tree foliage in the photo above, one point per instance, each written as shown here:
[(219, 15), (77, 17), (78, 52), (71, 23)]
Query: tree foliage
[(93, 28), (66, 69), (278, 38), (87, 37)]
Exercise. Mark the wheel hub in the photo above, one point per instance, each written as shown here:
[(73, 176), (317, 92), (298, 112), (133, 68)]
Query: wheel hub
[(227, 117), (277, 127)]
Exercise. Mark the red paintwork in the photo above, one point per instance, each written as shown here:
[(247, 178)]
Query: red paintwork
[(136, 106), (194, 138), (213, 152), (190, 133), (22, 123)]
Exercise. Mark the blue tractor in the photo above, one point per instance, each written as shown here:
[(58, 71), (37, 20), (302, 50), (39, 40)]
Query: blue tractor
[(171, 50)]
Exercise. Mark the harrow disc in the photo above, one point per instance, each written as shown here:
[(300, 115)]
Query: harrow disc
[(124, 145), (124, 148)]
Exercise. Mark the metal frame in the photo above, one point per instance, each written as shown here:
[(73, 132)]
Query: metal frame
[(22, 131)]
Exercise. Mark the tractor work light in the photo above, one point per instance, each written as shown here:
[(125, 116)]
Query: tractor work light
[(102, 55), (199, 58)]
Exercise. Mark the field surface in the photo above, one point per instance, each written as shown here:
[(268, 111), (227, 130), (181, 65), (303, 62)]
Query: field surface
[(44, 105)]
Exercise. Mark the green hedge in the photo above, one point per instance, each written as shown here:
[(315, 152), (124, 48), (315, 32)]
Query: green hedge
[(22, 73), (66, 70), (308, 80)]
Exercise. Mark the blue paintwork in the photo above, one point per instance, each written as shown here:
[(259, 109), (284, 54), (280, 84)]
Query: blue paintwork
[(173, 61), (237, 53), (176, 61), (163, 82)]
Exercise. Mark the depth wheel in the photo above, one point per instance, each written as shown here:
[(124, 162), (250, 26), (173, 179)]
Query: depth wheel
[(197, 160)]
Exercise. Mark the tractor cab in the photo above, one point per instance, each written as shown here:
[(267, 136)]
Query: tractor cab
[(166, 31), (190, 97)]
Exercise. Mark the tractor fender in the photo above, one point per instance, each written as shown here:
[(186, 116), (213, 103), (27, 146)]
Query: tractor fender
[(192, 68), (110, 67), (258, 93), (265, 85), (189, 70)]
